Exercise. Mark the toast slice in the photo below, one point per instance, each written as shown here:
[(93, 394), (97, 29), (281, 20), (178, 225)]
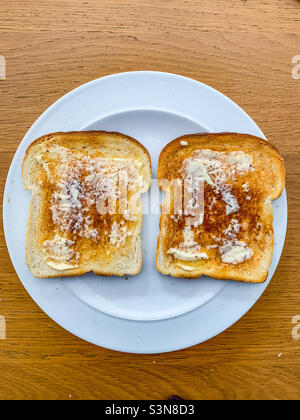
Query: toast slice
[(217, 214), (85, 210)]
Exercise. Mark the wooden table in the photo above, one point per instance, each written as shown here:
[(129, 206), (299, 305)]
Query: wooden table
[(244, 49)]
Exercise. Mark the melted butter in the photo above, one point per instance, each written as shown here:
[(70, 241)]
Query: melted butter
[(185, 267), (187, 255), (61, 266), (197, 169), (235, 253)]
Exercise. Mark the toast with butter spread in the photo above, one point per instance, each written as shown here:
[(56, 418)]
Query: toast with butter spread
[(217, 216), (85, 210)]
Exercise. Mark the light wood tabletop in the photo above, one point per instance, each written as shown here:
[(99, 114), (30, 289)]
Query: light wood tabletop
[(246, 49)]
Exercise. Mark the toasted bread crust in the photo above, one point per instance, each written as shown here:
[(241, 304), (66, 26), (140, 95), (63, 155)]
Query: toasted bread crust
[(50, 136), (268, 165)]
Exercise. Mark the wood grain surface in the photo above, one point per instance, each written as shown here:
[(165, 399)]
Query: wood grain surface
[(242, 48)]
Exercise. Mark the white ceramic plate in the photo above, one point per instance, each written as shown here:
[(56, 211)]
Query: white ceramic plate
[(148, 313)]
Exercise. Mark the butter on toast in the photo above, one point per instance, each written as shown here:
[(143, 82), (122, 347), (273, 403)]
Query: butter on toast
[(85, 210), (224, 229)]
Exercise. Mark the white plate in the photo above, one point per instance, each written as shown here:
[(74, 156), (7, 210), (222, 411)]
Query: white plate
[(148, 313)]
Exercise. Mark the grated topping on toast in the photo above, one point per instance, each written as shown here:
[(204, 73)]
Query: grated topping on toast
[(214, 174), (216, 168), (89, 195)]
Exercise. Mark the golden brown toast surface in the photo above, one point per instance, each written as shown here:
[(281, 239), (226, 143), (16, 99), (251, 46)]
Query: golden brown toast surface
[(231, 235), (86, 210)]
